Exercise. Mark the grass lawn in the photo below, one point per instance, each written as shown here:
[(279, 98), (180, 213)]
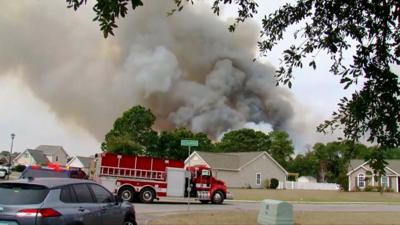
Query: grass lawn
[(314, 195), (301, 218)]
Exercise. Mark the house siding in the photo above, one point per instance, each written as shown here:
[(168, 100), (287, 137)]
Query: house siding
[(25, 159), (353, 178), (58, 157), (246, 177)]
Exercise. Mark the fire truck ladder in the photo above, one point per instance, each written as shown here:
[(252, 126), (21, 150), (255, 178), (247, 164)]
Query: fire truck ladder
[(132, 173)]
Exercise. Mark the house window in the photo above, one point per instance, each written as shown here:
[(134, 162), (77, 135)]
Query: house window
[(258, 178), (361, 180), (56, 158), (385, 182)]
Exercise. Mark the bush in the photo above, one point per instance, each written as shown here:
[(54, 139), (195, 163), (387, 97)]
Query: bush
[(274, 183), (19, 168), (267, 183)]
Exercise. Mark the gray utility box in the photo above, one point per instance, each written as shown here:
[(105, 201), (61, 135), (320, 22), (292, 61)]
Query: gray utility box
[(273, 212)]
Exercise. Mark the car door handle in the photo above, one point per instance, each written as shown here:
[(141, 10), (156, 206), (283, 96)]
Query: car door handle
[(81, 209)]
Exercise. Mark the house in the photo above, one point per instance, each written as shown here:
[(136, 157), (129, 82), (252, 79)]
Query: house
[(81, 163), (31, 157), (241, 169), (361, 175), (55, 154), (42, 155), (307, 179), (4, 158)]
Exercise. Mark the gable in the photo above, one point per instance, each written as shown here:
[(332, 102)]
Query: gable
[(268, 158)]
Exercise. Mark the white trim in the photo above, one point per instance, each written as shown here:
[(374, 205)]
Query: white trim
[(362, 165), (258, 174), (388, 168), (397, 184), (273, 160), (198, 155)]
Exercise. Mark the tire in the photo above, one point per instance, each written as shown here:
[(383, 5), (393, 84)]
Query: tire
[(147, 195), (130, 220), (218, 197), (126, 194), (204, 201)]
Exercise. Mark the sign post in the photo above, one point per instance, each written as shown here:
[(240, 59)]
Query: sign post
[(189, 143)]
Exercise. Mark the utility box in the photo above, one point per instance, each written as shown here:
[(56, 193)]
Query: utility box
[(273, 212)]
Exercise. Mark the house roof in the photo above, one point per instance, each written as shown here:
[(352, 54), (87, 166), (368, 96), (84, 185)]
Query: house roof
[(38, 156), (85, 161), (51, 149), (232, 160), (392, 164)]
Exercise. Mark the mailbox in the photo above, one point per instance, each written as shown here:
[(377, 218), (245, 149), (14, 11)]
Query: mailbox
[(273, 212)]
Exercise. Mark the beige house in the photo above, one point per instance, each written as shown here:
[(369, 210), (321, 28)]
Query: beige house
[(361, 175), (241, 169)]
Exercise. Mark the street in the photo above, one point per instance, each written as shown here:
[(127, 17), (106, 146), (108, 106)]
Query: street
[(146, 212)]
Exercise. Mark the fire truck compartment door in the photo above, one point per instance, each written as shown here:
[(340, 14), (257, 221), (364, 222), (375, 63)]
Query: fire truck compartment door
[(175, 182)]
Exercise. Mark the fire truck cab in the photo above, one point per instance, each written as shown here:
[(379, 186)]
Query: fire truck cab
[(146, 179)]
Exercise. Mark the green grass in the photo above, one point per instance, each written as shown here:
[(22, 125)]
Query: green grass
[(301, 218), (314, 195)]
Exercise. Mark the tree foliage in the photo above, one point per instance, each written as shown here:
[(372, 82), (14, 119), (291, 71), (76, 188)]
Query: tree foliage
[(244, 140), (132, 133), (170, 144), (281, 147)]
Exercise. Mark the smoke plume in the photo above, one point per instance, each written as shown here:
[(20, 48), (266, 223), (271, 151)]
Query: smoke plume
[(187, 68)]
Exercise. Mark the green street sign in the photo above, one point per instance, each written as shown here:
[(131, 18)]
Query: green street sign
[(191, 143)]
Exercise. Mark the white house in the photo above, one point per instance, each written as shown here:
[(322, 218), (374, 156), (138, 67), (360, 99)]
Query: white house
[(81, 163), (307, 179), (31, 157), (42, 155)]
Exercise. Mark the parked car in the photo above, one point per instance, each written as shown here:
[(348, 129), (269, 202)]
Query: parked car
[(37, 171), (4, 171), (61, 201)]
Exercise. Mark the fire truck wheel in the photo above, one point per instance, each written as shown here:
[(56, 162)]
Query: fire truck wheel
[(147, 195), (126, 193), (204, 201), (217, 198)]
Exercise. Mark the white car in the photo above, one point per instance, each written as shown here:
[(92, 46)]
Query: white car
[(4, 171)]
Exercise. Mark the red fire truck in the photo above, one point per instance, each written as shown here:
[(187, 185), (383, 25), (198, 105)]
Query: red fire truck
[(146, 178)]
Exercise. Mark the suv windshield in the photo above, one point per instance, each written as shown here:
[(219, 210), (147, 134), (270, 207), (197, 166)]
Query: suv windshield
[(22, 194)]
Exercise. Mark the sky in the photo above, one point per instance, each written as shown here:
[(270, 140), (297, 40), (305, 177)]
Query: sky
[(27, 24)]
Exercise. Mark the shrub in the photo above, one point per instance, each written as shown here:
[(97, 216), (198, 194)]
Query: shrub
[(19, 168), (267, 183), (274, 183)]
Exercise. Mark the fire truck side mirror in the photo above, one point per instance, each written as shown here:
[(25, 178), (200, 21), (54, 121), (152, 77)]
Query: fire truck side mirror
[(205, 173)]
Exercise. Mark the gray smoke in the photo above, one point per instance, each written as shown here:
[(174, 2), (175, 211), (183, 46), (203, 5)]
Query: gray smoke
[(187, 68)]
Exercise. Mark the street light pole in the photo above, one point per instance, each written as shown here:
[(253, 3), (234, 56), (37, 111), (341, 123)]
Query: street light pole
[(11, 149)]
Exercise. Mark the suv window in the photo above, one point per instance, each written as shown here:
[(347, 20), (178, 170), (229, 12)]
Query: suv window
[(22, 194), (67, 195), (101, 194), (83, 194)]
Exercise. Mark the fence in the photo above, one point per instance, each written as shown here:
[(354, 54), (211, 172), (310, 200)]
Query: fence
[(311, 186)]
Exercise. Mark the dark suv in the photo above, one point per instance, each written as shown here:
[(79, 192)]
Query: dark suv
[(61, 201), (36, 171)]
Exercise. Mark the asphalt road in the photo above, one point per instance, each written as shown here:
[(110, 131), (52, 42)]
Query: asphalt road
[(146, 212)]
